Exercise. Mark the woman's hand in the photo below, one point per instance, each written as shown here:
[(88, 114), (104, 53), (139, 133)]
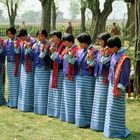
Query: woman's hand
[(15, 44), (71, 53), (90, 55), (52, 49)]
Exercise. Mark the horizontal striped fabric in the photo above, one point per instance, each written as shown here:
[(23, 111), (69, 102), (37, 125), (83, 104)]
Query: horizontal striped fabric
[(26, 90), (67, 112), (84, 100), (13, 85), (115, 116), (41, 85), (99, 105), (2, 85), (54, 96)]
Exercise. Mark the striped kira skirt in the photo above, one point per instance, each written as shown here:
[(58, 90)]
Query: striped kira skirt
[(84, 100), (13, 85), (54, 96), (99, 105), (67, 112), (115, 116), (26, 90), (41, 85), (2, 85)]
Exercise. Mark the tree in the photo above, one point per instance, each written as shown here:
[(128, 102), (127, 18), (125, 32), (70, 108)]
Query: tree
[(12, 6), (54, 14), (74, 8), (46, 14), (137, 47), (83, 18), (130, 24), (99, 18)]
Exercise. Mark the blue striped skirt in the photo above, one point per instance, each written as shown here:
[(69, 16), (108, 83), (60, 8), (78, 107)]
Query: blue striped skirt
[(54, 97), (62, 116), (13, 85), (99, 105), (26, 91), (68, 101), (2, 85), (84, 100), (41, 85), (115, 116)]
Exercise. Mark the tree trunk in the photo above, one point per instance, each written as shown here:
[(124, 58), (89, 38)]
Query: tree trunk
[(12, 21), (54, 15), (99, 23), (46, 15), (83, 18), (12, 11), (131, 20), (98, 27), (137, 47), (99, 18)]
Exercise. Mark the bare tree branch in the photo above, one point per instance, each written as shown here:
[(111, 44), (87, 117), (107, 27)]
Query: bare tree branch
[(8, 8)]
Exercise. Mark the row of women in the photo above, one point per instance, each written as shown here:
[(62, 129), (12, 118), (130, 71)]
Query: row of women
[(77, 84)]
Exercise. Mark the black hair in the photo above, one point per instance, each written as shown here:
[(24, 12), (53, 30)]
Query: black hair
[(22, 32), (68, 37), (114, 23), (114, 41), (12, 30), (104, 36), (43, 32), (84, 38), (57, 33)]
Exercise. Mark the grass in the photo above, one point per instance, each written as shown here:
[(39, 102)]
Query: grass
[(16, 125)]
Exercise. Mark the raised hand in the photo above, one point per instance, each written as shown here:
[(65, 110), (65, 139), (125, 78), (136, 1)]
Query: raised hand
[(52, 49), (15, 44), (90, 55), (42, 47), (26, 44), (71, 53), (34, 46)]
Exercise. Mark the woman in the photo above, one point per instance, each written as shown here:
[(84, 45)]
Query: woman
[(56, 78), (67, 112), (13, 67), (2, 72), (101, 85), (85, 80), (42, 72), (26, 90), (118, 81)]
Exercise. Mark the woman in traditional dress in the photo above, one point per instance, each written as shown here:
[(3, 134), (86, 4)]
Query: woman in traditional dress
[(42, 72), (26, 90), (101, 85), (67, 112), (56, 78), (119, 71), (13, 66), (85, 80)]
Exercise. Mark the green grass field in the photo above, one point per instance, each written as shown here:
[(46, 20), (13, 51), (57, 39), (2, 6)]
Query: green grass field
[(16, 125)]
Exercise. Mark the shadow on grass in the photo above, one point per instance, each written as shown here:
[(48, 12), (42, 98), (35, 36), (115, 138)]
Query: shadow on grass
[(134, 136)]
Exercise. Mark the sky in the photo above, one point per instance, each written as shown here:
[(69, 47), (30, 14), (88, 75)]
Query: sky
[(119, 8)]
